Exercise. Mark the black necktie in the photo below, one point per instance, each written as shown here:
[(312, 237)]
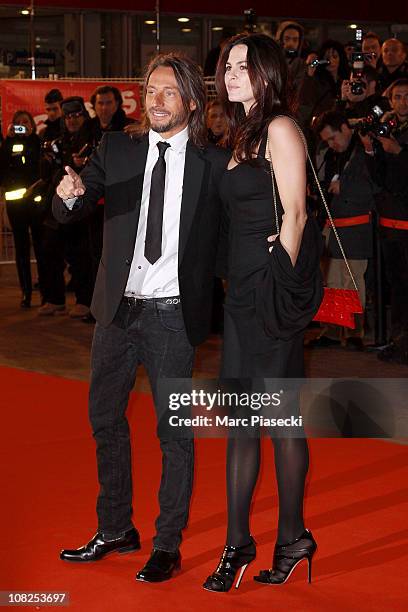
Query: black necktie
[(156, 203)]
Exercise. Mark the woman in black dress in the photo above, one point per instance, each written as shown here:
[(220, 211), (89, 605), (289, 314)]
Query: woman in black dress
[(263, 334)]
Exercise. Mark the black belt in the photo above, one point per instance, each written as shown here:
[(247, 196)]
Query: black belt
[(165, 303)]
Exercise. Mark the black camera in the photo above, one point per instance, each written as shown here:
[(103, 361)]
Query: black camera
[(86, 150), (316, 62), (357, 85), (373, 124), (53, 149)]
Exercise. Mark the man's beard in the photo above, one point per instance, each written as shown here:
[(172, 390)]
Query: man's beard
[(174, 121)]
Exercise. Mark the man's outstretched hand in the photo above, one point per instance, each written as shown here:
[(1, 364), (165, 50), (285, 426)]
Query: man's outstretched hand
[(71, 185)]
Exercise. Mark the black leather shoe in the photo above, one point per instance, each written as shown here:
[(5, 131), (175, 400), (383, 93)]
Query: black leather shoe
[(98, 547), (160, 566)]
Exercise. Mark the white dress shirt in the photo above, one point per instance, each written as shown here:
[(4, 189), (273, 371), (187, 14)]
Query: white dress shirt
[(160, 279)]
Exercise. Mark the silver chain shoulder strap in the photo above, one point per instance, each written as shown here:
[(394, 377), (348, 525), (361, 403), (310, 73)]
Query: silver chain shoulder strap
[(269, 158)]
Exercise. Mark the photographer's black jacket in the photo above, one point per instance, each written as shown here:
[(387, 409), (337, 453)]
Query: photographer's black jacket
[(52, 166), (52, 130), (119, 121), (356, 197), (390, 173), (22, 169)]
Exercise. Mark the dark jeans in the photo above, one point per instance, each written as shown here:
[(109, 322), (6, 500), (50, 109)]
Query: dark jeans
[(158, 340)]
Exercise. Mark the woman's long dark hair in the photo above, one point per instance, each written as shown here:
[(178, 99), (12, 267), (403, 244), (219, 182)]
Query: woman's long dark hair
[(344, 68), (191, 86), (273, 93)]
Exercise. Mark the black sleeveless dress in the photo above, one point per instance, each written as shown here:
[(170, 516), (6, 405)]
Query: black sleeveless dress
[(250, 348)]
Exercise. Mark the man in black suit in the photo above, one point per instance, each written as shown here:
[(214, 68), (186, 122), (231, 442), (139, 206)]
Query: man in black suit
[(152, 298)]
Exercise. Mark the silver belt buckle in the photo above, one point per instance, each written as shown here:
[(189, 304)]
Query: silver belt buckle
[(173, 301)]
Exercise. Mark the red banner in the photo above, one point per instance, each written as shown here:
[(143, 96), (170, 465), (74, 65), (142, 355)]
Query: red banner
[(29, 95)]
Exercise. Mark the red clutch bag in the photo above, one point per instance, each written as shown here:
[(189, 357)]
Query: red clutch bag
[(339, 306)]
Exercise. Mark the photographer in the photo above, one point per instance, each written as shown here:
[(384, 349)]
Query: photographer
[(66, 243), (387, 161), (290, 35), (321, 86), (53, 123), (351, 198), (359, 94), (371, 47), (19, 172), (394, 63), (215, 121), (107, 103)]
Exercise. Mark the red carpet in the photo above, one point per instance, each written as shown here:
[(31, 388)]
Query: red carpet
[(356, 506)]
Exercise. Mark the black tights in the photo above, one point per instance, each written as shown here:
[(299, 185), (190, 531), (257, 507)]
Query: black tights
[(250, 358), (291, 464)]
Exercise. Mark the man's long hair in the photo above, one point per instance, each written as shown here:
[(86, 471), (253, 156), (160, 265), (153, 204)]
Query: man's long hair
[(273, 93), (191, 86)]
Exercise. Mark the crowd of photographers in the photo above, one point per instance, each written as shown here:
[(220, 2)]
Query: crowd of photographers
[(353, 107), (31, 166)]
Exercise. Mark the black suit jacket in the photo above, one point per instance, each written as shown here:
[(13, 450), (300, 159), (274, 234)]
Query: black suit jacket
[(116, 171)]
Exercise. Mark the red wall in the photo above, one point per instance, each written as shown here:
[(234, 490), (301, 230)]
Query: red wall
[(366, 10)]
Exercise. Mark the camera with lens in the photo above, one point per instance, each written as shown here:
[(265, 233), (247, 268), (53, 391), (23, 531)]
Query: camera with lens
[(86, 150), (357, 85), (373, 124), (53, 149), (316, 62)]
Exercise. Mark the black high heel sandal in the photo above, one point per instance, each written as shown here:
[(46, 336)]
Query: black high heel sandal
[(234, 560), (286, 557)]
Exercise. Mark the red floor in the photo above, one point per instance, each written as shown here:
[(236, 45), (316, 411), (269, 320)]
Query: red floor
[(356, 505)]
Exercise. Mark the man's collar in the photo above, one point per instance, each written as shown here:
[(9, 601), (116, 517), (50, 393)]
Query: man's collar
[(177, 142)]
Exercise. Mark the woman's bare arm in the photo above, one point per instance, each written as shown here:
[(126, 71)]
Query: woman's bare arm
[(288, 154)]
